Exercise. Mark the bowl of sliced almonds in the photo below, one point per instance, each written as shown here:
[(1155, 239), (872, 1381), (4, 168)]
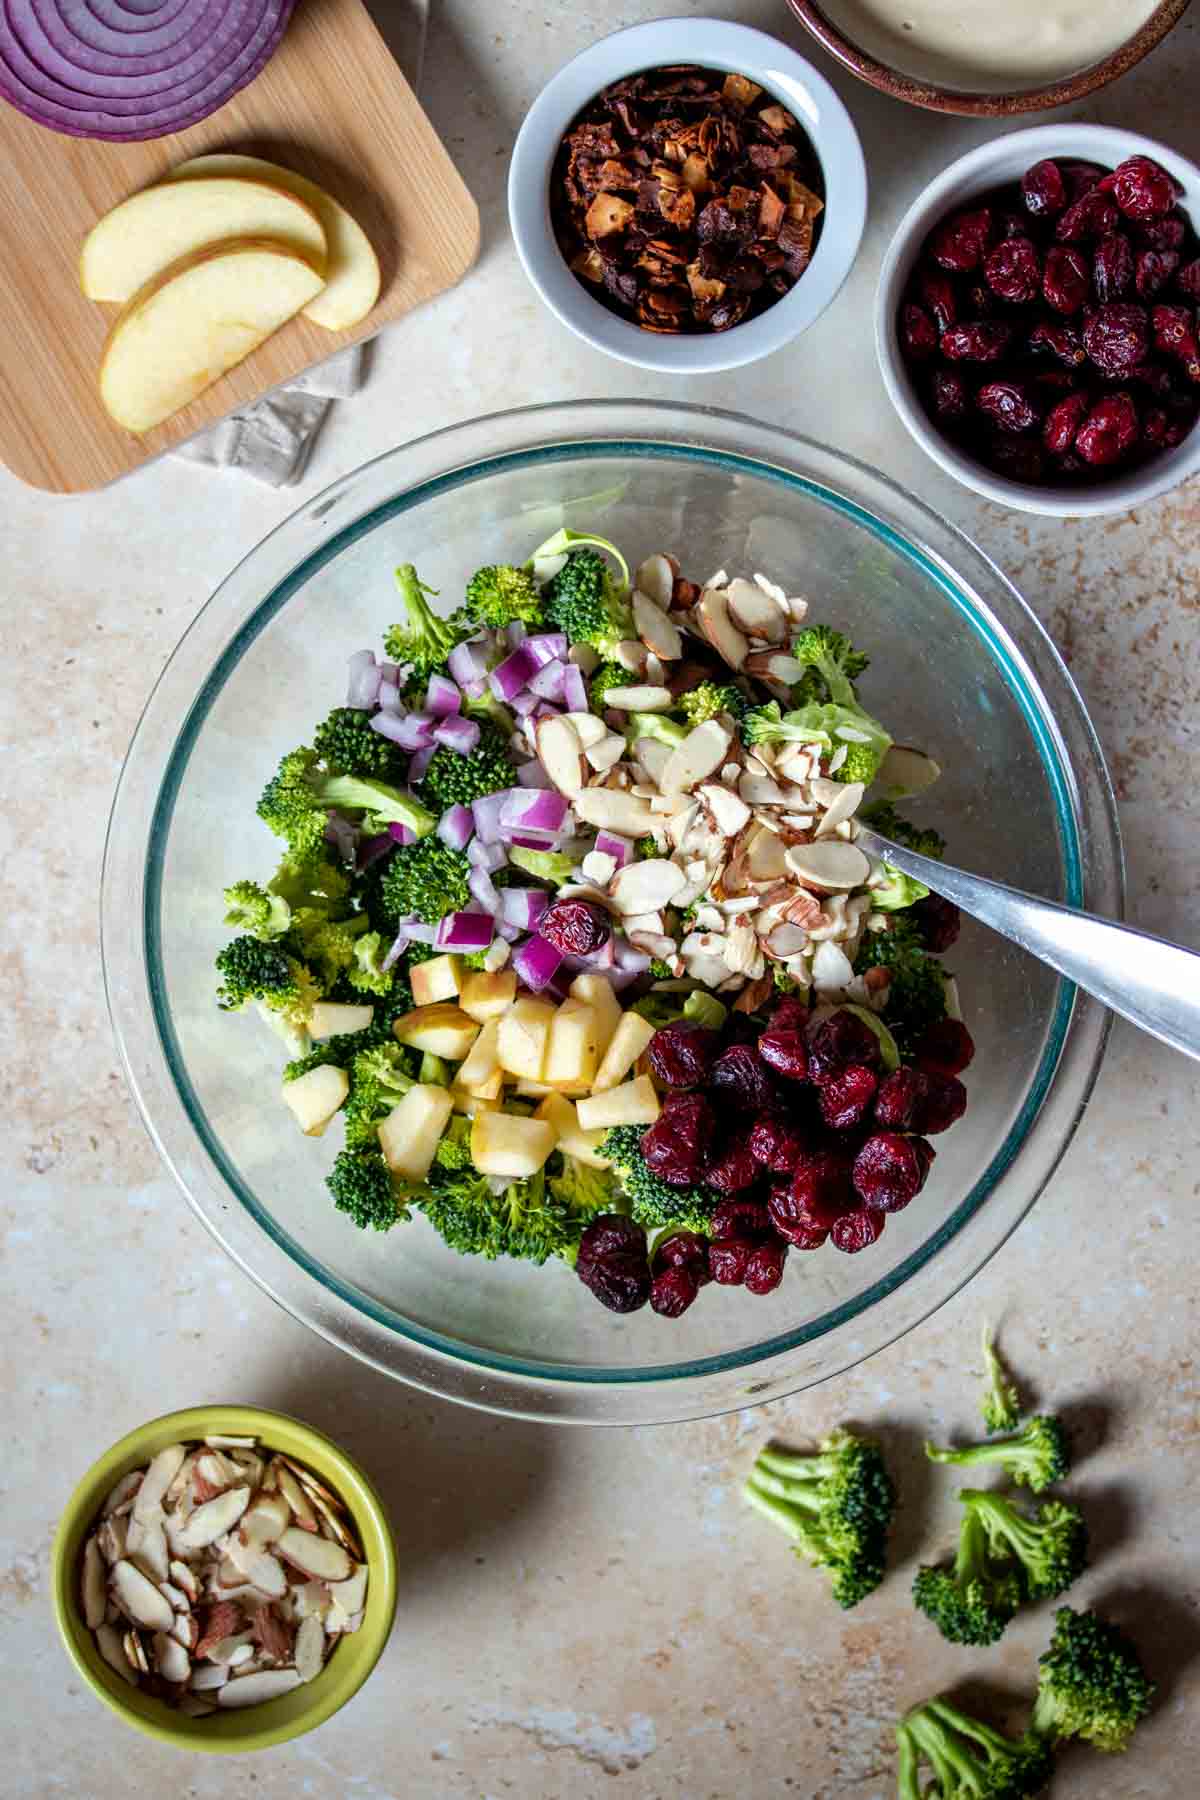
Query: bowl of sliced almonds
[(224, 1578)]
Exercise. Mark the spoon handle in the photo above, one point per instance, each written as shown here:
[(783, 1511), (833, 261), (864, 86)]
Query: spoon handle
[(1154, 984)]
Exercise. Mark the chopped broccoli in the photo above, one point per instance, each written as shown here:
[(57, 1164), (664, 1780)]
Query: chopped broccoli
[(608, 675), (313, 879), (327, 945), (427, 878), (347, 745), (1050, 1548), (832, 664), (664, 1006), (896, 891), (584, 1191), (565, 542), (660, 970), (784, 983), (367, 974), (652, 1201), (554, 866), (882, 817), (972, 1601), (968, 1759), (340, 1050), (584, 601), (363, 1187), (453, 779), (454, 1149), (1004, 1558), (423, 641), (253, 909), (831, 727), (1001, 1403), (654, 725), (281, 987), (296, 802), (708, 699), (1035, 1457), (1091, 1684), (836, 1504), (523, 1220), (379, 1080), (501, 594), (916, 996), (434, 1070), (646, 846)]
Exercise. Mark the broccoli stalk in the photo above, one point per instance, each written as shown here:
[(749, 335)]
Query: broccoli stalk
[(1050, 1548), (296, 803), (968, 1759), (836, 1505), (1001, 1403), (553, 866), (972, 1601), (422, 641), (654, 725), (501, 595), (1035, 1457), (1004, 1557), (1091, 1684), (564, 542)]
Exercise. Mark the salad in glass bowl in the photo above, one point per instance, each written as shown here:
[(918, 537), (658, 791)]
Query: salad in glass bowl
[(572, 930)]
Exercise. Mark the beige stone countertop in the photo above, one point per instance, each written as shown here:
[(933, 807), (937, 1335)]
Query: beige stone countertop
[(589, 1613)]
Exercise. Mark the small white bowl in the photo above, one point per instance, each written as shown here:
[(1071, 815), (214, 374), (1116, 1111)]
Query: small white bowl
[(988, 167), (712, 44)]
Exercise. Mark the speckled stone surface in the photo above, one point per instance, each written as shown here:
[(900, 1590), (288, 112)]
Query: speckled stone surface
[(586, 1613)]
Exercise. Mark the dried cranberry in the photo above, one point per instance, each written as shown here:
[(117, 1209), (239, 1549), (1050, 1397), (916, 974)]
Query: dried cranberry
[(854, 1231), (1049, 385), (732, 1169), (1141, 188), (1013, 270), (1161, 432), (838, 1042), (1175, 335), (676, 1146), (611, 1234), (1156, 377), (575, 927), (682, 1053), (1080, 176), (738, 1075), (1161, 234), (1110, 429), (729, 1258), (1043, 189), (776, 1143), (739, 1028), (950, 394), (918, 334), (1063, 422), (612, 1263), (672, 1292), (1008, 405), (962, 241), (897, 1098), (681, 1249), (783, 1049), (1062, 341), (938, 296), (845, 1099), (888, 1171), (1112, 267), (1091, 216), (1117, 338), (941, 1102), (1153, 270), (740, 1218), (938, 922), (791, 1014), (1065, 282), (1188, 279), (1016, 458), (946, 1047), (982, 340), (818, 1191), (764, 1270)]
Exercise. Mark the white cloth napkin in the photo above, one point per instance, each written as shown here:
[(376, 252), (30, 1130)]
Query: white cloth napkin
[(272, 439)]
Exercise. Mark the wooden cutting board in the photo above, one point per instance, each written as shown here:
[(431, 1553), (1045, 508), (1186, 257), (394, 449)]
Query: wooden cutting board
[(332, 104)]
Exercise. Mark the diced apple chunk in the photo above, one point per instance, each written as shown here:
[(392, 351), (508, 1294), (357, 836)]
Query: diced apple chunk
[(443, 1029), (485, 996), (509, 1145), (330, 1018), (482, 1061), (438, 979), (634, 1103), (524, 1035), (597, 990), (409, 1135), (625, 1046), (470, 1104), (583, 1145), (315, 1097), (573, 1050)]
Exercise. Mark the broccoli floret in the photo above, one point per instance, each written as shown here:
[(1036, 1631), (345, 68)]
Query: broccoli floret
[(584, 1191), (584, 601), (564, 542), (882, 817), (784, 983), (1091, 1684), (654, 725), (340, 1051), (523, 1220), (968, 1759), (553, 866), (652, 1201), (608, 675), (833, 665), (836, 1505), (500, 594), (646, 846), (454, 1149), (1035, 1457), (973, 1600), (916, 996), (455, 780), (363, 1187), (312, 880), (367, 974), (1004, 1558), (660, 970), (664, 1007), (422, 641), (282, 988), (253, 909), (896, 891), (379, 1080), (708, 699), (830, 727), (296, 802), (1050, 1548), (427, 878), (347, 745), (1001, 1403), (327, 945)]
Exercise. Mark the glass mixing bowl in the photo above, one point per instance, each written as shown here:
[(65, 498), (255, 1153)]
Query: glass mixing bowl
[(959, 666)]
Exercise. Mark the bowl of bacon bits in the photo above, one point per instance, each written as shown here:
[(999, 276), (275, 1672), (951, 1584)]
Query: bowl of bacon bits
[(687, 215), (1037, 322)]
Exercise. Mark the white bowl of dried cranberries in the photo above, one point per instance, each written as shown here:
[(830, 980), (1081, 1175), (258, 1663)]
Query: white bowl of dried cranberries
[(1038, 320)]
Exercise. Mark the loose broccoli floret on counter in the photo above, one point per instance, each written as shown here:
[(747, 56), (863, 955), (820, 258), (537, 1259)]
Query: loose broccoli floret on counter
[(501, 595), (1035, 1457), (916, 996), (421, 640), (253, 909), (608, 675), (882, 817), (524, 1220), (296, 803), (1005, 1557), (967, 1759), (427, 878), (1091, 1684), (347, 745), (584, 601), (836, 1505), (832, 665), (453, 779), (972, 1601), (1001, 1403), (362, 1187), (652, 1201), (708, 699)]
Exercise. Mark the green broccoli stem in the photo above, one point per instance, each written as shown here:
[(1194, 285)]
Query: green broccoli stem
[(763, 1496)]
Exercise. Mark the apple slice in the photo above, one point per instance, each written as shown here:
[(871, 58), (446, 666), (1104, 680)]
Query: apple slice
[(352, 269), (438, 979), (140, 238), (628, 1041), (409, 1135), (633, 1103), (334, 1018), (507, 1144), (314, 1098), (200, 317), (560, 1114), (442, 1029)]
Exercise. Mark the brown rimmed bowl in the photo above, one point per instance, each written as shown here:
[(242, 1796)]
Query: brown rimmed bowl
[(983, 103)]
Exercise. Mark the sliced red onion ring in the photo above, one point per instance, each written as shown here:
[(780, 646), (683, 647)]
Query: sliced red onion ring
[(486, 856), (575, 694), (534, 809), (456, 827), (523, 906), (465, 931), (609, 843), (442, 697), (468, 662), (457, 733), (362, 681), (536, 963), (412, 732)]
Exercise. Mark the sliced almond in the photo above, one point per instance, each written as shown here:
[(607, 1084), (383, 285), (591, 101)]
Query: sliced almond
[(755, 612), (252, 1690), (611, 810), (335, 1525), (214, 1518), (608, 751), (94, 1585), (632, 654), (262, 1570), (660, 634), (157, 1479), (844, 807), (186, 1630), (712, 616), (765, 856), (176, 1597), (146, 1544), (264, 1520), (656, 579), (587, 727), (109, 1642), (639, 699), (701, 751), (135, 1650), (205, 1677), (905, 772), (829, 866), (775, 666), (139, 1599), (831, 968), (310, 1648), (229, 1651), (222, 1622), (560, 754), (653, 756), (170, 1658), (193, 1707), (216, 1442), (760, 790), (315, 1556), (299, 1502), (311, 1597), (786, 940), (647, 886), (123, 1493), (729, 812), (272, 1636)]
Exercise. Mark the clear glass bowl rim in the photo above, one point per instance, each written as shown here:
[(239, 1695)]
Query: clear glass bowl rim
[(261, 584)]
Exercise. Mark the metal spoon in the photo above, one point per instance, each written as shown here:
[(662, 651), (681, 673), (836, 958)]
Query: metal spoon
[(1154, 984)]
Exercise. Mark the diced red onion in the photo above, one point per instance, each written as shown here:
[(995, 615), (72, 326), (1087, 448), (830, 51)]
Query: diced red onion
[(545, 709), (533, 840), (388, 698), (628, 957), (400, 944), (465, 931), (510, 933), (610, 843), (419, 761), (548, 646), (371, 849), (547, 684), (390, 671), (523, 906), (524, 703), (442, 697), (413, 731), (456, 827), (474, 690), (620, 979), (363, 677), (532, 775), (513, 673), (486, 856), (559, 985), (536, 963), (468, 662), (343, 835), (575, 694), (486, 813), (515, 634), (418, 930), (484, 891), (401, 834), (535, 809), (457, 733)]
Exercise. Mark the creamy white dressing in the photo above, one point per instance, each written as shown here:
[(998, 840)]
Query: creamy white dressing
[(969, 43)]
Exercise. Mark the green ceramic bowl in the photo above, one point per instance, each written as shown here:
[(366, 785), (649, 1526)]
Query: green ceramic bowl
[(276, 1721)]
